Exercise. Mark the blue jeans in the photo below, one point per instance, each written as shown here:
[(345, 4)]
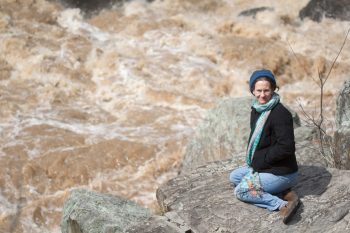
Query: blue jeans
[(272, 185)]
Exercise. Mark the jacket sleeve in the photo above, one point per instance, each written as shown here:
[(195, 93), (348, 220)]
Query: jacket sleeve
[(283, 132)]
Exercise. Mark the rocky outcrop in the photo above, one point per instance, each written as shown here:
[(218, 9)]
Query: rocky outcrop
[(86, 211), (342, 115), (92, 6), (91, 212), (317, 9), (252, 12), (307, 152), (342, 133), (204, 202), (342, 147), (223, 134)]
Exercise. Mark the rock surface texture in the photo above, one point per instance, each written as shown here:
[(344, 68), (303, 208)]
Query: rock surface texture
[(343, 106), (204, 201), (342, 133), (87, 211), (222, 134), (317, 9)]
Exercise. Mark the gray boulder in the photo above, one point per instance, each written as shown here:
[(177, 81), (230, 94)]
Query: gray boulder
[(342, 133), (342, 147), (204, 202), (90, 6), (307, 152), (317, 9), (90, 212), (342, 115), (252, 12), (223, 133)]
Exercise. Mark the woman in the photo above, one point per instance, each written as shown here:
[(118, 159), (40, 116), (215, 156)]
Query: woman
[(271, 167)]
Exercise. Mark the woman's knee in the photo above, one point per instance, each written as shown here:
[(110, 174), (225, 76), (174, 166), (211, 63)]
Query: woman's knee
[(237, 175), (276, 184), (233, 178)]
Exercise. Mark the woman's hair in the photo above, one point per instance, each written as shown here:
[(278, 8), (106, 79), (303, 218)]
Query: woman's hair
[(272, 84)]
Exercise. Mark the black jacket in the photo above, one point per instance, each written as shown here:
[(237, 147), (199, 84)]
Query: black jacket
[(275, 152)]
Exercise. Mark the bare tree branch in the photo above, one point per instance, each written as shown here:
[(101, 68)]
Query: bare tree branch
[(336, 58), (327, 146), (296, 58)]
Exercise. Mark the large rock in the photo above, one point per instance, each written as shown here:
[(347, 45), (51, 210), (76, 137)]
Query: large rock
[(90, 212), (317, 9), (342, 148), (307, 152), (204, 202), (342, 133), (90, 5), (342, 115), (252, 12), (93, 6), (223, 134), (86, 211)]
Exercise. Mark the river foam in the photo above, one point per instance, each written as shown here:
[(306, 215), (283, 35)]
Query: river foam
[(108, 102)]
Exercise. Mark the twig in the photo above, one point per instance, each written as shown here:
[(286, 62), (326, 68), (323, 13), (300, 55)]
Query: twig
[(336, 58), (302, 65), (324, 139)]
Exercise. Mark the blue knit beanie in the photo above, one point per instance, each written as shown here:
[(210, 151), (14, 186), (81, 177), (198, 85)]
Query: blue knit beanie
[(259, 74)]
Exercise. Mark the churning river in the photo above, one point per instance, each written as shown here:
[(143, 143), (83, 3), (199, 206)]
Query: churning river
[(109, 101)]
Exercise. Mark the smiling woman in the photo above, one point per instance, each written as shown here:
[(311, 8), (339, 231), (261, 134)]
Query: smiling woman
[(271, 168)]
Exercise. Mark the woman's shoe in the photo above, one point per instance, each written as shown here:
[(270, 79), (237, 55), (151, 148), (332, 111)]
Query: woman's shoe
[(289, 210)]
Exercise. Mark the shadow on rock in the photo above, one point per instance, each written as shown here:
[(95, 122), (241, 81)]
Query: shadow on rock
[(312, 181), (297, 217)]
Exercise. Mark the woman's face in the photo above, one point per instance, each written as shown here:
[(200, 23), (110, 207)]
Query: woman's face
[(262, 91)]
